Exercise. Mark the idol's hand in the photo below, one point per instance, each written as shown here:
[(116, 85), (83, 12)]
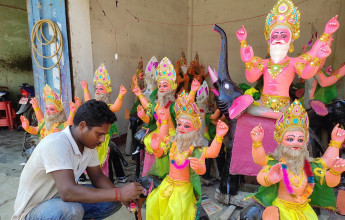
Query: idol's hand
[(332, 26), (275, 174), (338, 134), (164, 114), (137, 91), (197, 164), (257, 133), (123, 90), (140, 111), (34, 103), (339, 165), (195, 85), (324, 52), (84, 85), (155, 141), (25, 122), (72, 107), (241, 34), (77, 101), (221, 129), (247, 54)]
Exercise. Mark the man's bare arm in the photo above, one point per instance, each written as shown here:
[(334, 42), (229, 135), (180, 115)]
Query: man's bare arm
[(70, 191)]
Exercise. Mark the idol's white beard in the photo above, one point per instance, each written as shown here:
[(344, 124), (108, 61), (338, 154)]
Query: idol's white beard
[(279, 51), (57, 117), (184, 141), (105, 97), (164, 98), (294, 158)]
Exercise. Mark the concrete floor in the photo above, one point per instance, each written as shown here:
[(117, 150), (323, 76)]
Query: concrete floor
[(11, 143)]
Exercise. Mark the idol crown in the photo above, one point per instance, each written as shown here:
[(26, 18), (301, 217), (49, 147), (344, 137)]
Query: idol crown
[(293, 117), (165, 70), (189, 109), (51, 97), (102, 76), (140, 67), (283, 13), (202, 93)]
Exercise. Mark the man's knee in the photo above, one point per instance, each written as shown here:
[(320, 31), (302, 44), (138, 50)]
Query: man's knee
[(76, 211)]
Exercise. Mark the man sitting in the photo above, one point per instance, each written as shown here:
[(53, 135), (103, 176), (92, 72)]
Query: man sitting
[(48, 188)]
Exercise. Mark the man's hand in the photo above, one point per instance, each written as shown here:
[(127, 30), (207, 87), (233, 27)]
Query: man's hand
[(34, 103), (257, 133), (130, 192), (338, 134)]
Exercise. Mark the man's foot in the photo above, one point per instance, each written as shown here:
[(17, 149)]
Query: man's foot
[(271, 213), (122, 179)]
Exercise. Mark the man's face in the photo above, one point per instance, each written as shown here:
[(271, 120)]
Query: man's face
[(94, 137), (100, 89), (185, 126), (164, 86), (51, 109), (294, 140), (280, 36)]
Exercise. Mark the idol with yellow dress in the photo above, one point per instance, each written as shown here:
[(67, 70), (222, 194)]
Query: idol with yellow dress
[(291, 180), (178, 196), (103, 89), (162, 98), (54, 119)]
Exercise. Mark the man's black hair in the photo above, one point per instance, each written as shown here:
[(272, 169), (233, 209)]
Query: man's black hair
[(94, 113)]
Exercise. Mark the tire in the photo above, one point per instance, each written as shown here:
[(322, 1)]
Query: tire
[(31, 116), (29, 144)]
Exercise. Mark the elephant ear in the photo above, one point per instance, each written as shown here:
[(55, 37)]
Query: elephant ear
[(319, 107)]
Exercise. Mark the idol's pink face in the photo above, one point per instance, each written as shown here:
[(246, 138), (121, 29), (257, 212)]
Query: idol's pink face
[(164, 86), (294, 140), (185, 126), (100, 89), (280, 36), (51, 109)]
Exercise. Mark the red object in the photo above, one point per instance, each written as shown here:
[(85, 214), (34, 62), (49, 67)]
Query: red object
[(7, 115), (24, 93)]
